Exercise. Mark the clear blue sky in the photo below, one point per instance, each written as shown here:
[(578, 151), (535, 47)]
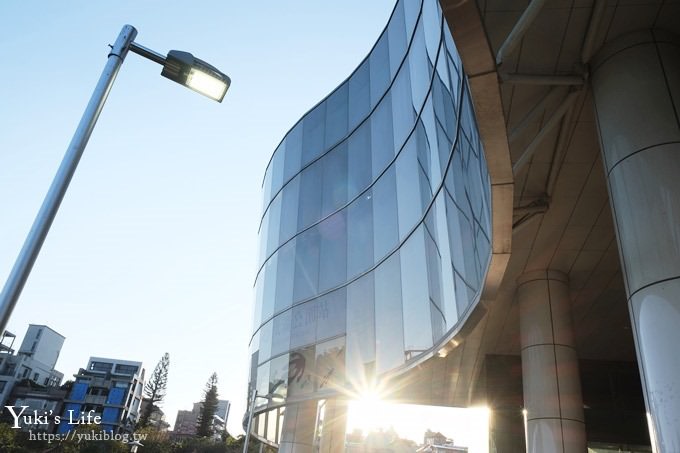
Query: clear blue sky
[(154, 247)]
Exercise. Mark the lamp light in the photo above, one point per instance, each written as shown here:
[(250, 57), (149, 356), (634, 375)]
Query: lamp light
[(196, 74)]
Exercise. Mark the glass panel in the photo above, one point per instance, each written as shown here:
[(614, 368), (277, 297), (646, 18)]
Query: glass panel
[(313, 133), (432, 22), (273, 225), (434, 273), (418, 65), (455, 236), (281, 333), (263, 237), (452, 50), (403, 114), (449, 295), (265, 342), (330, 364), (454, 81), (360, 235), (267, 187), (253, 348), (289, 210), (360, 330), (427, 116), (261, 421), (331, 314), (439, 99), (462, 295), (271, 425), (382, 144), (442, 68), (467, 239), (411, 12), (414, 281), (389, 329), (259, 294), (408, 189), (277, 168), (301, 371), (334, 189), (483, 250), (380, 69), (333, 261), (268, 275), (319, 319), (281, 411), (359, 159), (359, 94), (285, 269), (278, 377), (293, 152), (424, 161), (262, 382), (337, 115), (310, 196), (424, 183), (468, 118), (444, 147), (455, 177), (306, 265), (304, 324), (386, 224), (396, 34)]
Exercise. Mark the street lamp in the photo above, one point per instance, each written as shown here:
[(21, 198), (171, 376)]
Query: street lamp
[(180, 67)]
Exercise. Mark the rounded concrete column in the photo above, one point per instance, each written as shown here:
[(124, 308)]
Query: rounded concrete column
[(550, 376), (636, 89), (299, 427)]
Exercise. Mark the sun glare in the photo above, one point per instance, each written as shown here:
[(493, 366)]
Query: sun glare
[(467, 427), (367, 413)]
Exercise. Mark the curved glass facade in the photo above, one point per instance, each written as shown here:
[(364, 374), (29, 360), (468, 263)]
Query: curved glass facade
[(375, 237)]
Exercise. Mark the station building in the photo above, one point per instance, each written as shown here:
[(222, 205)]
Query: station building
[(485, 212)]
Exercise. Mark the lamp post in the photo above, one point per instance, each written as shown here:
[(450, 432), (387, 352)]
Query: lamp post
[(180, 67), (250, 419)]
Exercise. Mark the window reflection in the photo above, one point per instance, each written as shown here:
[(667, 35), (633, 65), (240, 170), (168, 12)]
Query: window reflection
[(330, 364), (379, 238), (389, 327)]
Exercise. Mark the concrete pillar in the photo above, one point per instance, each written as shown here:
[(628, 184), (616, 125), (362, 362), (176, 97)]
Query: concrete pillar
[(550, 376), (299, 426), (636, 88), (334, 426)]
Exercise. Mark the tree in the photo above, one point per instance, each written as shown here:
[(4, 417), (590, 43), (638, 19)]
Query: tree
[(154, 390), (204, 424)]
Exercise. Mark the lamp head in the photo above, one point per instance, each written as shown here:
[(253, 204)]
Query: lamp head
[(196, 74)]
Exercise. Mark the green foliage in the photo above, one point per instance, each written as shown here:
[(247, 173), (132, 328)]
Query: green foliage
[(16, 441), (68, 385), (7, 438), (204, 424), (155, 388)]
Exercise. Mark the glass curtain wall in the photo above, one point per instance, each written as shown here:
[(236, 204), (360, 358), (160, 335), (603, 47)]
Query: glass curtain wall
[(376, 227)]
